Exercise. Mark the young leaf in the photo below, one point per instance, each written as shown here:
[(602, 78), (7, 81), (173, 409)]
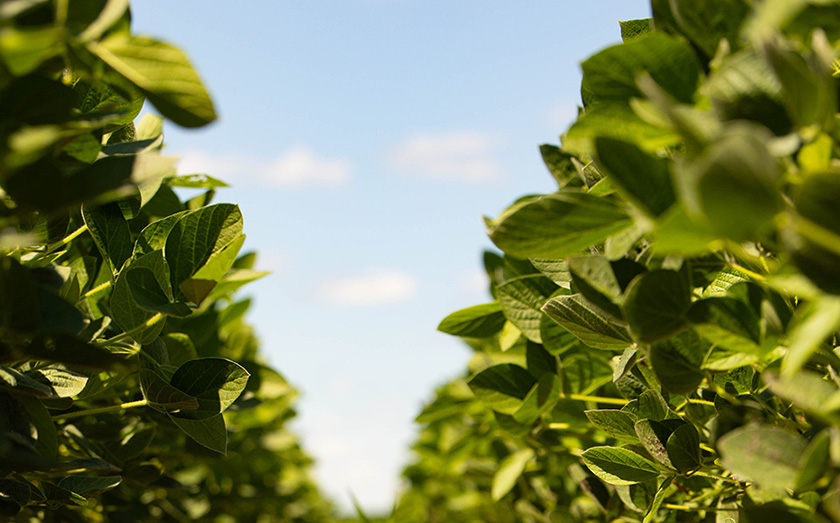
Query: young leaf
[(618, 466), (509, 472), (478, 321), (589, 324), (502, 387), (683, 448), (556, 225)]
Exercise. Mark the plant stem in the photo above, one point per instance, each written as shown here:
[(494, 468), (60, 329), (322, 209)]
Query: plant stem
[(112, 408), (127, 334), (559, 426), (597, 399), (96, 290)]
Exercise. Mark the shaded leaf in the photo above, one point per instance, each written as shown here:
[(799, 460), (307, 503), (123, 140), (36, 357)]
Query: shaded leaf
[(618, 466)]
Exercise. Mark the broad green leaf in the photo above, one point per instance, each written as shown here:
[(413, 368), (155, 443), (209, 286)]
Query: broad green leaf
[(676, 232), (214, 382), (727, 323), (179, 347), (814, 462), (555, 270), (478, 321), (618, 466), (502, 387), (555, 338), (807, 391), (764, 454), (125, 310), (633, 29), (644, 178), (559, 164), (649, 405), (62, 383), (653, 435), (593, 276), (616, 120), (510, 469), (522, 300), (541, 397), (655, 304), (705, 23), (163, 73), (196, 237), (233, 280), (683, 448), (23, 50), (195, 181), (111, 12), (110, 232), (148, 294), (89, 485), (209, 432), (610, 75), (658, 499), (733, 185), (556, 225), (589, 324), (677, 361), (64, 348), (815, 240), (202, 283), (584, 373), (616, 423), (153, 236), (159, 393), (820, 320)]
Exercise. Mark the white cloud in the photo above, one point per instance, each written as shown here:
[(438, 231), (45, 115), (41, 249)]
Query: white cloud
[(296, 167), (376, 288), (460, 156)]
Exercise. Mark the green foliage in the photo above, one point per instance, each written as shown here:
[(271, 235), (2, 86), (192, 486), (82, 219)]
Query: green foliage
[(126, 371), (664, 341)]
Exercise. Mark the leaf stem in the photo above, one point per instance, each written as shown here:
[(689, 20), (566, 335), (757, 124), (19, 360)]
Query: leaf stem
[(559, 426), (597, 399), (96, 290), (101, 410), (127, 334), (686, 508)]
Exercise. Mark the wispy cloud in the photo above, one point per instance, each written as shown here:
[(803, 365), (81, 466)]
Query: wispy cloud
[(464, 156), (369, 289), (296, 167)]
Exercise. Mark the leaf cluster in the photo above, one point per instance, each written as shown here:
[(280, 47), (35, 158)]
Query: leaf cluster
[(662, 344), (126, 369)]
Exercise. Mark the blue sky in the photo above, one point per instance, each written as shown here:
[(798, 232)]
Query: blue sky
[(364, 140)]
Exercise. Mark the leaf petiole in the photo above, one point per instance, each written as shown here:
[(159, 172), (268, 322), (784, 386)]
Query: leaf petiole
[(125, 335), (101, 410)]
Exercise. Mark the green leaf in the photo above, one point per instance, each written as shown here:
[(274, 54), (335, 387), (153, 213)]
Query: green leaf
[(593, 276), (110, 14), (764, 454), (209, 432), (478, 321), (159, 393), (153, 236), (233, 280), (814, 240), (814, 462), (214, 382), (727, 323), (807, 391), (202, 283), (110, 232), (653, 435), (23, 50), (706, 23), (163, 73), (732, 187), (510, 469), (196, 237), (195, 181), (541, 397), (125, 310), (555, 338), (649, 405), (618, 466), (611, 74), (633, 29), (616, 423), (655, 304), (683, 448), (589, 324), (522, 299), (820, 320), (502, 387), (148, 294), (61, 382), (677, 361), (616, 120), (645, 179), (556, 225), (89, 485), (559, 164)]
